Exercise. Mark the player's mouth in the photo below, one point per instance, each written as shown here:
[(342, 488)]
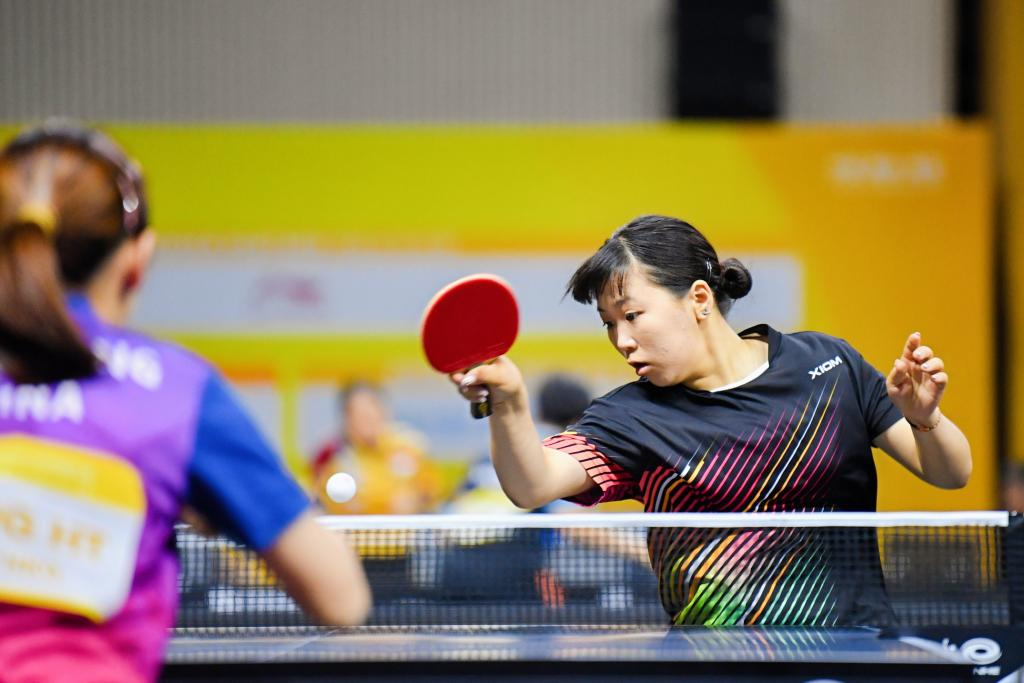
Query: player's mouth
[(640, 368)]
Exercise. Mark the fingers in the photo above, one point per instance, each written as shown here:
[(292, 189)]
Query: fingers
[(499, 380), (469, 385), (917, 380), (903, 370), (922, 359), (471, 389), (935, 370), (472, 382), (913, 342), (917, 356), (898, 380), (916, 386), (900, 371), (922, 353)]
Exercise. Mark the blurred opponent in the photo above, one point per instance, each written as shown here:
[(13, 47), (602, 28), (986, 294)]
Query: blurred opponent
[(106, 435)]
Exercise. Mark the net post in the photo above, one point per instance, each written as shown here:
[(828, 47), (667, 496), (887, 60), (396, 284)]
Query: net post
[(1014, 567)]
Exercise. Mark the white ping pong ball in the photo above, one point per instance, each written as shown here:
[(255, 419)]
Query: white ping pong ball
[(341, 487)]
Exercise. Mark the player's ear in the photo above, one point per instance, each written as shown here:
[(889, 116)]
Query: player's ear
[(142, 249), (147, 247), (137, 256), (701, 297)]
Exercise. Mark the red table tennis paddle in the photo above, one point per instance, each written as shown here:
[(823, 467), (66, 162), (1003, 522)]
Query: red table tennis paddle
[(469, 322)]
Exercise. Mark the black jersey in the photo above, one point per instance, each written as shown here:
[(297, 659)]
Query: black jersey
[(795, 438)]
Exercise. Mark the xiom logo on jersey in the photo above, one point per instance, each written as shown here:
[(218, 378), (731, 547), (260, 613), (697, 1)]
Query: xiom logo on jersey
[(825, 367)]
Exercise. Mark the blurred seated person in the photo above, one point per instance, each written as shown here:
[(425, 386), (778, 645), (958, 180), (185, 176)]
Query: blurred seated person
[(1012, 488), (392, 472)]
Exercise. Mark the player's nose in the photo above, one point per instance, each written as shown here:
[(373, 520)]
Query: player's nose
[(625, 343)]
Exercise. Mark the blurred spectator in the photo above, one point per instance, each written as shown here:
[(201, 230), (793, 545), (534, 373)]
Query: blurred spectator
[(561, 401), (392, 472), (1013, 487)]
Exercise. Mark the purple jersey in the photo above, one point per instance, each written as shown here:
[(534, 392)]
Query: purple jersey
[(94, 474)]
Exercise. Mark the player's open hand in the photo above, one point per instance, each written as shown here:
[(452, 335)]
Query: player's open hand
[(500, 379), (916, 382)]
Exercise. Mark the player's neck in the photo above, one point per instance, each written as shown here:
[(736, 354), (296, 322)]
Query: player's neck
[(107, 303), (112, 290), (731, 358)]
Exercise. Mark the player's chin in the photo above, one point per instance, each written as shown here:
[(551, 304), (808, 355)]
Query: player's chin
[(658, 379)]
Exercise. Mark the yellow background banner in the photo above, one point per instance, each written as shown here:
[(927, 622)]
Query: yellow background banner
[(892, 228)]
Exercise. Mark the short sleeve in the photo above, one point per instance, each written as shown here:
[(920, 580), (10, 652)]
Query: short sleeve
[(877, 408), (604, 443), (236, 480)]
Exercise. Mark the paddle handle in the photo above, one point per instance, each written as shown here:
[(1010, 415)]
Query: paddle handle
[(480, 409)]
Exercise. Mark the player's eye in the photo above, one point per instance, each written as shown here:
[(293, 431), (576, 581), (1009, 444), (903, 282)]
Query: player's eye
[(631, 316)]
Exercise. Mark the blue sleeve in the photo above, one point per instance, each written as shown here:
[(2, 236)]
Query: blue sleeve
[(236, 480)]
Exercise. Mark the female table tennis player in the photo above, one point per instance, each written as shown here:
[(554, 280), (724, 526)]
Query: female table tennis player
[(107, 434), (725, 422)]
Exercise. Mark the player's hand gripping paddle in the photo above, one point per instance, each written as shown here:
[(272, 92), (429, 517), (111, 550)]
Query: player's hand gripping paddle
[(470, 322)]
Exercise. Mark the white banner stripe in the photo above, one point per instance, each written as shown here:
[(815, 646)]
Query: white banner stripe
[(356, 293)]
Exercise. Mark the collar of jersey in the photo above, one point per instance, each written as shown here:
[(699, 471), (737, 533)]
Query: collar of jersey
[(774, 342), (81, 311), (758, 371)]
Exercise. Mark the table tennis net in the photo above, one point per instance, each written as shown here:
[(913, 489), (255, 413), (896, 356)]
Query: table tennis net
[(640, 570)]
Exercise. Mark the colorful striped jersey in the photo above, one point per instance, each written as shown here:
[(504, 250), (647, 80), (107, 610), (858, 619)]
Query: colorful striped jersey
[(796, 438)]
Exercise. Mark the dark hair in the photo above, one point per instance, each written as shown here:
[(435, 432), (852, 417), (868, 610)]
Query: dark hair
[(562, 400), (68, 197), (350, 389), (674, 255)]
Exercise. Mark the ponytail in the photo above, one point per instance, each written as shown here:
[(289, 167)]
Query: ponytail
[(39, 343), (68, 198)]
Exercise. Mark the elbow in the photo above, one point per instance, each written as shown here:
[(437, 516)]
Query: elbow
[(957, 479), (356, 610), (964, 475), (953, 483), (962, 478), (351, 611), (527, 500)]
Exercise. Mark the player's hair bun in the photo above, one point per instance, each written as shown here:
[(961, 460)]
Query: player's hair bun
[(736, 280)]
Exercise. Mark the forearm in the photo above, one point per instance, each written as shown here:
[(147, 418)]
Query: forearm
[(944, 454), (322, 572), (530, 475), (517, 453)]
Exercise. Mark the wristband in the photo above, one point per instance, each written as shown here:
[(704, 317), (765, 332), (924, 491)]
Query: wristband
[(924, 428)]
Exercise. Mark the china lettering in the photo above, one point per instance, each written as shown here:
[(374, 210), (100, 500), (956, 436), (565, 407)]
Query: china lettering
[(41, 403)]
